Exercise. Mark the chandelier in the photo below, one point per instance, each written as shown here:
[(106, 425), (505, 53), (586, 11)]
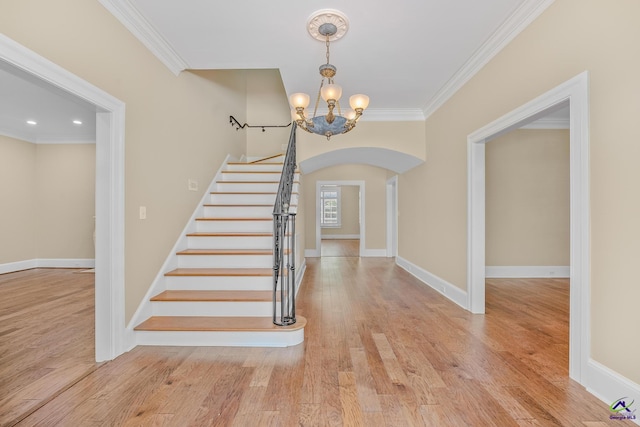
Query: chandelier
[(327, 25)]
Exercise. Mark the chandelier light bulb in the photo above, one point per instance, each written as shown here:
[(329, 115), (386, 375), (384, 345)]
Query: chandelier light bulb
[(331, 91), (359, 101), (350, 115), (299, 100)]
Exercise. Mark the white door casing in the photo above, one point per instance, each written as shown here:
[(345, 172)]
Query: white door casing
[(109, 263), (575, 93)]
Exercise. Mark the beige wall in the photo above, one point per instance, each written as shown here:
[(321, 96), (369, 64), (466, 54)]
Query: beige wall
[(349, 213), (375, 200), (267, 104), (17, 192), (527, 199), (48, 194), (177, 127), (571, 36), (65, 194), (405, 137)]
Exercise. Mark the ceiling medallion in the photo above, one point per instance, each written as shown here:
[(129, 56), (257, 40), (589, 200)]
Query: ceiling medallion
[(327, 16)]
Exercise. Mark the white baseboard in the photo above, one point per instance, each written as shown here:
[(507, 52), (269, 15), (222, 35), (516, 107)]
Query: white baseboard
[(381, 253), (609, 386), (17, 266), (450, 291), (47, 263), (311, 253), (533, 271), (340, 236)]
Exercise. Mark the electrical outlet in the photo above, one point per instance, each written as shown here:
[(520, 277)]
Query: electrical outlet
[(143, 212), (192, 185)]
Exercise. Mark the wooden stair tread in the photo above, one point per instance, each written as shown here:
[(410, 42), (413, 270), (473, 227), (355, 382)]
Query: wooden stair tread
[(195, 296), (212, 324), (234, 272)]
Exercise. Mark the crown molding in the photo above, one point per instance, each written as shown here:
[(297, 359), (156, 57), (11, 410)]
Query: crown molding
[(518, 21), (133, 20)]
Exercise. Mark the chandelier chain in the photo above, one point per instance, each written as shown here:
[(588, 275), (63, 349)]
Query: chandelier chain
[(327, 44), (329, 81)]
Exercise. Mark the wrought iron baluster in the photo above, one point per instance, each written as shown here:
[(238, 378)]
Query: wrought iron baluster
[(284, 241)]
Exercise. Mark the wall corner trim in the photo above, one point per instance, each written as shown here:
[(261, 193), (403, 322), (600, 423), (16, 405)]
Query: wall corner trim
[(445, 288)]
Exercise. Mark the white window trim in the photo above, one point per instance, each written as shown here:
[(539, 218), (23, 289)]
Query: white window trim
[(337, 189)]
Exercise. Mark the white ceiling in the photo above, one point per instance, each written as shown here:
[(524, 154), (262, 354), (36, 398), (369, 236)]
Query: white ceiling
[(24, 97), (409, 56)]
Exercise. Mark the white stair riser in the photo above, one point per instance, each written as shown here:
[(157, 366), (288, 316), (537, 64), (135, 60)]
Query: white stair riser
[(235, 242), (225, 261), (262, 167), (249, 176), (242, 199), (226, 339), (214, 308), (238, 211), (208, 226), (219, 283), (242, 187)]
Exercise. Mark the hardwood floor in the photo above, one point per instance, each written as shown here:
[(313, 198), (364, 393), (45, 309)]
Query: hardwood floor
[(340, 247), (46, 337), (381, 349)]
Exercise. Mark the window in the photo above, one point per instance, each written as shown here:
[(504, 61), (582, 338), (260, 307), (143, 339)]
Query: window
[(330, 205)]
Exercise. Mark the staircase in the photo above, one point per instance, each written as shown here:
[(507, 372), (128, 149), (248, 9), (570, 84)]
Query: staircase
[(217, 289)]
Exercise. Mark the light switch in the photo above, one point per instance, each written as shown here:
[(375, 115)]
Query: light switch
[(193, 185), (143, 212)]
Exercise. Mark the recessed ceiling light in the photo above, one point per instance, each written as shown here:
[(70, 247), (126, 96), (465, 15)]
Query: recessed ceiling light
[(32, 122), (77, 122)]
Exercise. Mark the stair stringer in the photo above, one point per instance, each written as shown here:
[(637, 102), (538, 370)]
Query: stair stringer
[(158, 285), (264, 336)]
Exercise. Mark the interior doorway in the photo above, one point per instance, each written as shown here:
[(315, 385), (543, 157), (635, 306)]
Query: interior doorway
[(574, 94), (110, 129), (340, 218)]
